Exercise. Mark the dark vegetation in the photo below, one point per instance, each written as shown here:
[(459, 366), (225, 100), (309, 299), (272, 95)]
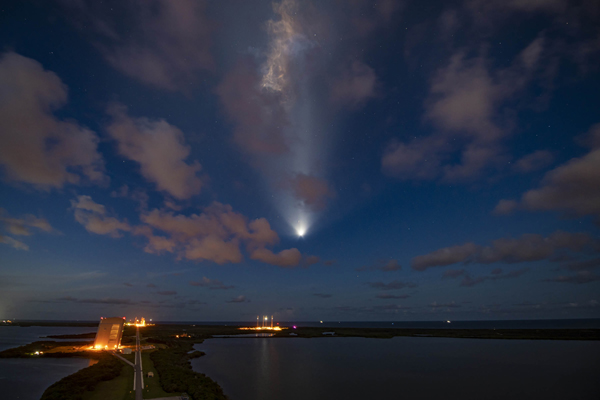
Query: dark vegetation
[(74, 386), (175, 371), (46, 347), (90, 335), (200, 332), (523, 334), (55, 323)]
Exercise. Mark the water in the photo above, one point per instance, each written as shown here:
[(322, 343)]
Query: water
[(14, 336), (402, 367), (26, 379)]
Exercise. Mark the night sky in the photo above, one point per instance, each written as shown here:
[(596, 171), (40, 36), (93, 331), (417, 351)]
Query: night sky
[(326, 160)]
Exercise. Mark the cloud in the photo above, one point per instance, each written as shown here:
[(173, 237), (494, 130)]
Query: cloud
[(382, 265), (167, 293), (165, 43), (354, 86), (583, 265), (239, 299), (452, 304), (393, 285), (329, 263), (151, 285), (464, 105), (93, 217), (527, 248), (469, 281), (36, 147), (108, 300), (392, 296), (310, 260), (444, 256), (580, 277), (215, 235), (311, 191), (160, 150), (15, 244), (128, 284), (22, 226), (285, 258), (258, 123), (211, 284), (322, 295), (535, 161), (573, 187)]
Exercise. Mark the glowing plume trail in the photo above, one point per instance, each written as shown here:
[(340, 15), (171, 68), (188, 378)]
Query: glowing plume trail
[(283, 74)]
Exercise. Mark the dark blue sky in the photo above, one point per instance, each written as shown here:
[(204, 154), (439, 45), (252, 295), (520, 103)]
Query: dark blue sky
[(331, 160)]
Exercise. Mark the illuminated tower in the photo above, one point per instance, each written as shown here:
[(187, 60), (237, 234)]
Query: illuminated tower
[(109, 333)]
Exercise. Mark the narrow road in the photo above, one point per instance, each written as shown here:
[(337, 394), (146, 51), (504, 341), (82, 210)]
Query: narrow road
[(138, 379), (122, 359)]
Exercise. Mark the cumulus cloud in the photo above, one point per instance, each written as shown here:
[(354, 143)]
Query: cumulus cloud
[(94, 218), (464, 104), (36, 147), (160, 150), (218, 234), (211, 284), (23, 226), (444, 256), (573, 187), (527, 248), (164, 44), (310, 260), (393, 285), (285, 258)]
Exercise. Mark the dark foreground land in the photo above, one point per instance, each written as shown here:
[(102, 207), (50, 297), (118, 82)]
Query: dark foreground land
[(172, 350)]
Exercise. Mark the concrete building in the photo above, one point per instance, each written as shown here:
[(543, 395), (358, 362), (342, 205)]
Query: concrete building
[(109, 333)]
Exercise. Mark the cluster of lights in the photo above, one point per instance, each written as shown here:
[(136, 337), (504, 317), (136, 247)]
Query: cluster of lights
[(264, 326), (254, 328), (140, 323)]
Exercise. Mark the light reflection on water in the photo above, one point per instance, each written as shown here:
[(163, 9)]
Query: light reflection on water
[(409, 368)]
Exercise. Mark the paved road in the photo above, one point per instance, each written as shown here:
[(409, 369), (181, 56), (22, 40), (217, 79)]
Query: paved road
[(123, 359), (138, 381)]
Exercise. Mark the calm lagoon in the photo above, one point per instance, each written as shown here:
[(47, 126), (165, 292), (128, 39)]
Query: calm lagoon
[(26, 379), (401, 368)]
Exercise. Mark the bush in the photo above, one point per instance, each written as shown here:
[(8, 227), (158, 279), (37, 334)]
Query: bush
[(176, 374), (74, 386)]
